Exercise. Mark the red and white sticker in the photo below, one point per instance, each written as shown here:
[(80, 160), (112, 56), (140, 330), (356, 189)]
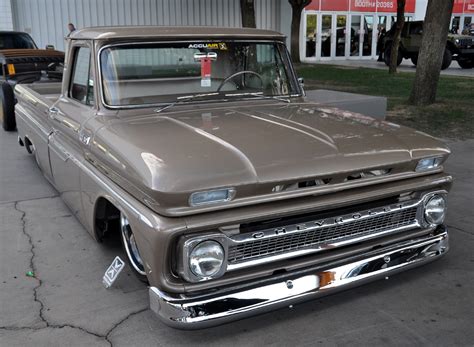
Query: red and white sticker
[(205, 72)]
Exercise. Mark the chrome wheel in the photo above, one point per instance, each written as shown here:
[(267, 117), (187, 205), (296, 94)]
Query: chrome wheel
[(131, 247)]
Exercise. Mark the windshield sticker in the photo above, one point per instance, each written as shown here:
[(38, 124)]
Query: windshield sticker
[(205, 72), (214, 45)]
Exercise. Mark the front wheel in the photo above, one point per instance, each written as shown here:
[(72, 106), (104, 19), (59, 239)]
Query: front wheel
[(131, 249), (7, 107), (447, 59), (387, 55), (466, 63), (414, 60)]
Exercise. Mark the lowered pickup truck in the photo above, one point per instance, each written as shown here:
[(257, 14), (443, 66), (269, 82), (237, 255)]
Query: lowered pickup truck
[(232, 195)]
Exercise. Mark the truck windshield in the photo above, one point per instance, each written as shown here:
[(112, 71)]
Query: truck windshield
[(16, 41), (149, 74)]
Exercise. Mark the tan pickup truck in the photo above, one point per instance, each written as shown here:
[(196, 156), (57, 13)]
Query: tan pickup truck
[(232, 195)]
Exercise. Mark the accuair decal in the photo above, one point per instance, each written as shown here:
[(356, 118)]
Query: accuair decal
[(212, 45)]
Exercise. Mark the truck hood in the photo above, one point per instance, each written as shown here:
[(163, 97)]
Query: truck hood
[(253, 148)]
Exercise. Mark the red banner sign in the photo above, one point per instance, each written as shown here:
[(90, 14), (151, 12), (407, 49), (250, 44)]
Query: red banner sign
[(458, 6), (469, 6), (385, 6)]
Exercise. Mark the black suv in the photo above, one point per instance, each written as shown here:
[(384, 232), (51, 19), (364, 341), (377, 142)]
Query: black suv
[(458, 47)]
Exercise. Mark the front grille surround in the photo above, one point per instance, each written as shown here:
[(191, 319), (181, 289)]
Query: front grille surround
[(289, 237), (323, 236), (315, 235), (466, 43)]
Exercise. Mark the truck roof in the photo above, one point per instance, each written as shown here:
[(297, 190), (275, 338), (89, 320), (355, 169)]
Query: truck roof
[(172, 32)]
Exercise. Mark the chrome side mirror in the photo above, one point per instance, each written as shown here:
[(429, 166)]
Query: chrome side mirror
[(301, 83)]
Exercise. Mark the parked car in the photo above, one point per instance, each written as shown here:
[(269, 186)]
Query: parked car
[(22, 62), (231, 193), (458, 47)]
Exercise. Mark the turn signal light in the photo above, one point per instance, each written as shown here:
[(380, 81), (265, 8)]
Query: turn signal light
[(11, 69)]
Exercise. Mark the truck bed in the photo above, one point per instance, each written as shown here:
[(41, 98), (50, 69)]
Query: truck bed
[(41, 95)]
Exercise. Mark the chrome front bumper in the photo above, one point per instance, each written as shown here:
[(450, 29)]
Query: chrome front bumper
[(195, 312)]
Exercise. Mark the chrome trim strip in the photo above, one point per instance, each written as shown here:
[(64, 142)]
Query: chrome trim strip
[(315, 191), (188, 312)]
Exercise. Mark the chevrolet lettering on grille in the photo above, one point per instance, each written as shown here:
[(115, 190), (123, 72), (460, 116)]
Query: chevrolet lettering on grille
[(327, 221), (317, 234)]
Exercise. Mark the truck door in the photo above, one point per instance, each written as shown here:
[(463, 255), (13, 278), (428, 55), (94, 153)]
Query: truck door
[(68, 115), (415, 31)]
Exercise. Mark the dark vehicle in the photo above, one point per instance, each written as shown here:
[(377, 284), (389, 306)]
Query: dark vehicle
[(458, 47), (21, 61)]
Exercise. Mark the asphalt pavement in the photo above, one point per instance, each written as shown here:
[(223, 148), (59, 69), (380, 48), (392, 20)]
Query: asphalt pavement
[(65, 304)]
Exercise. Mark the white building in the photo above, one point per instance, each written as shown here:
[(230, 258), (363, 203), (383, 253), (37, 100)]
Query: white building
[(330, 29)]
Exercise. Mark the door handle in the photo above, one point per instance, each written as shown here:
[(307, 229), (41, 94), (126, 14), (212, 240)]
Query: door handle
[(53, 113)]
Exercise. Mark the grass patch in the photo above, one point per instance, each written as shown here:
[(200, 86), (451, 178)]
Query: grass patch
[(451, 117)]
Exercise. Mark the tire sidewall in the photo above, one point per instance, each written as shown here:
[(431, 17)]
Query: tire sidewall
[(387, 54), (7, 103), (466, 63), (447, 59)]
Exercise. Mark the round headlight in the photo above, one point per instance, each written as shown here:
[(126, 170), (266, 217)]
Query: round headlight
[(206, 259), (435, 210)]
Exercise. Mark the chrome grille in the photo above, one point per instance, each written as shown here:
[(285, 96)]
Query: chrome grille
[(324, 235), (466, 43)]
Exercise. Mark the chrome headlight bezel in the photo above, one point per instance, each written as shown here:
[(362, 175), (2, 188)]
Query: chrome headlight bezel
[(428, 221), (188, 244), (430, 163)]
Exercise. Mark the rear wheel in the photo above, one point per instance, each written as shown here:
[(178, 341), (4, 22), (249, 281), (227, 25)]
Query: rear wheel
[(466, 63), (387, 53), (131, 249), (414, 59), (7, 107), (447, 59)]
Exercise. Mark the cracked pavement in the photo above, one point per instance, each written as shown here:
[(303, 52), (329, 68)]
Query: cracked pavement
[(66, 303)]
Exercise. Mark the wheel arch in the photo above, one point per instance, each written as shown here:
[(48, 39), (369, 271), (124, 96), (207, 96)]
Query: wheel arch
[(451, 47), (106, 218)]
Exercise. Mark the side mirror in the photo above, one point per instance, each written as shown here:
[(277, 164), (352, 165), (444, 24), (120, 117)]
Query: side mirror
[(301, 83), (50, 47)]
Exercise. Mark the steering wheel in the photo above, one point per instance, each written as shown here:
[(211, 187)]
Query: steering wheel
[(227, 79)]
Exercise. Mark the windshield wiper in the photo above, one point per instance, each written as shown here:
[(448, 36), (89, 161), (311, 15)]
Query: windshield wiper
[(184, 98), (262, 96)]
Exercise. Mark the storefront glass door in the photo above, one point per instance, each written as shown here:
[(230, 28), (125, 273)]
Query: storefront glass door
[(367, 35), (355, 36), (341, 33), (326, 35), (311, 35)]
